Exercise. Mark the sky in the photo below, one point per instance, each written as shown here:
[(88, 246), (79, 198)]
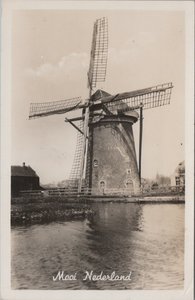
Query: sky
[(50, 61)]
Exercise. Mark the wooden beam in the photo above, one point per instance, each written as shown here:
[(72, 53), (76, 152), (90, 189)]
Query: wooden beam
[(77, 128), (85, 150), (74, 119), (140, 140), (107, 111), (81, 118)]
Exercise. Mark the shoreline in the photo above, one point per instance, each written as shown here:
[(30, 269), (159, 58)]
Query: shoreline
[(87, 198), (29, 210), (39, 213)]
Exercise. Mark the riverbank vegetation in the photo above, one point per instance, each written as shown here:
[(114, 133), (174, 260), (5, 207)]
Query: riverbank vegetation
[(45, 212)]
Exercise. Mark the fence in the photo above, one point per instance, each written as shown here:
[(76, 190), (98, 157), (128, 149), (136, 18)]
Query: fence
[(72, 191)]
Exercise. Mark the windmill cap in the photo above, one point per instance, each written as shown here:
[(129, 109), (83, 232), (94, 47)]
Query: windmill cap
[(99, 94)]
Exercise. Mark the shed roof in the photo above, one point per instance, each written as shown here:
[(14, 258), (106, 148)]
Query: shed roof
[(23, 171)]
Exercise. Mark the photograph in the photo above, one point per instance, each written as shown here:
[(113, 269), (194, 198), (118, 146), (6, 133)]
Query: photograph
[(96, 180)]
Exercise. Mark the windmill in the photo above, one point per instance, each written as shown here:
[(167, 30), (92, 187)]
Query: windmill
[(105, 156)]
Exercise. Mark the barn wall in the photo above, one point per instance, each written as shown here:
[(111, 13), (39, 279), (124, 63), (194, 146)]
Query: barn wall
[(22, 183)]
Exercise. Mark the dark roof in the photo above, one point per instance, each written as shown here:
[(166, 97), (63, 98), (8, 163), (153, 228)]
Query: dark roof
[(23, 171), (98, 95)]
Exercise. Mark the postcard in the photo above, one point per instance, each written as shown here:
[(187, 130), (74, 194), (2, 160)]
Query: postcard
[(97, 149)]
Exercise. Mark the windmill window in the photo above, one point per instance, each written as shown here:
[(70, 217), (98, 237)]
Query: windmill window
[(128, 171), (102, 184), (129, 184), (95, 163)]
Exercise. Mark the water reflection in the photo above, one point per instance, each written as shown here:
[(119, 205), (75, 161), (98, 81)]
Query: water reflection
[(147, 240)]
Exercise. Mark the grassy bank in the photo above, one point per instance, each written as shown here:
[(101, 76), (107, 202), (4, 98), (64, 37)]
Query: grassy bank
[(32, 210), (45, 212)]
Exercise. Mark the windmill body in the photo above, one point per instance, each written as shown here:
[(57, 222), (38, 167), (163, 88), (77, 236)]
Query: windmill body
[(105, 158), (111, 163)]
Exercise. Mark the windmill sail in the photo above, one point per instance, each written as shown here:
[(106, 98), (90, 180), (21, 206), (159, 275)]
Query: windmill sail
[(76, 167), (55, 107), (148, 98), (99, 53), (97, 73)]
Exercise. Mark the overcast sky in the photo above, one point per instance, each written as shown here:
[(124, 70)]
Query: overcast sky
[(50, 59)]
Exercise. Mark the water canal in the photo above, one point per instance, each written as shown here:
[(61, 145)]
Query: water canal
[(146, 240)]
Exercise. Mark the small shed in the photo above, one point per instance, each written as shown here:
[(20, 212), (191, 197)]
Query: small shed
[(23, 178)]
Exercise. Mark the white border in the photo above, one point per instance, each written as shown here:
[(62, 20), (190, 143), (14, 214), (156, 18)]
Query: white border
[(7, 7)]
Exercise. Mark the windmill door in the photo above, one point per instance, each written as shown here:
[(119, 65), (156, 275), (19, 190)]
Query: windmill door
[(129, 185), (102, 186)]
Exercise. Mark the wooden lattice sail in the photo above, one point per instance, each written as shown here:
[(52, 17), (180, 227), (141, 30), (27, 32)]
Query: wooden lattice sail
[(76, 166), (99, 53), (54, 107)]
